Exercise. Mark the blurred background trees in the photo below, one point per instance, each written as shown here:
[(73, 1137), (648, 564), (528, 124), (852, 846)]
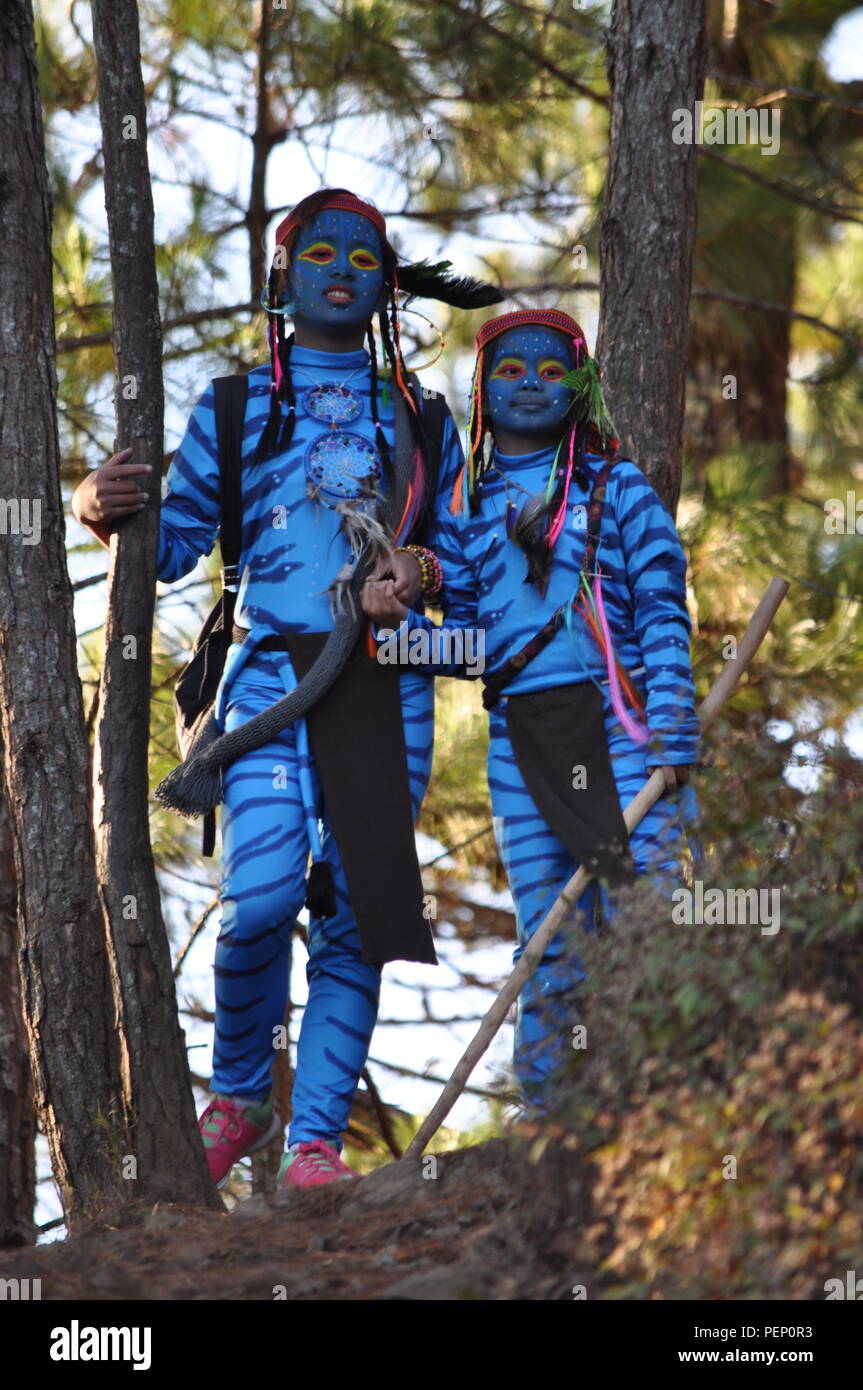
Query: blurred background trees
[(481, 130)]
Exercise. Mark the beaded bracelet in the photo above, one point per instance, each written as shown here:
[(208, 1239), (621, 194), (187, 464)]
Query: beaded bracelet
[(431, 570)]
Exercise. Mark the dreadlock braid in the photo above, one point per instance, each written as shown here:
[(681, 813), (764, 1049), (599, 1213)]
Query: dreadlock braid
[(267, 441), (286, 390), (389, 322), (470, 475), (380, 434), (275, 434)]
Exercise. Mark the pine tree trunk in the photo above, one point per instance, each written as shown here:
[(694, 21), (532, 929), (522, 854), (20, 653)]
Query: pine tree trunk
[(66, 983), (170, 1162), (17, 1102), (267, 134), (657, 56)]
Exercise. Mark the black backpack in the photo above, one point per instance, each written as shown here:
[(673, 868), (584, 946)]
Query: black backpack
[(196, 686)]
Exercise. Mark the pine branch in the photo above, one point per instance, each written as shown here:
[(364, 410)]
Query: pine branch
[(797, 93), (784, 187), (187, 320)]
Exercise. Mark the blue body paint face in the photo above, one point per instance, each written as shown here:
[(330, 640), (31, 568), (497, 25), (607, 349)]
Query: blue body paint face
[(522, 390), (336, 273)]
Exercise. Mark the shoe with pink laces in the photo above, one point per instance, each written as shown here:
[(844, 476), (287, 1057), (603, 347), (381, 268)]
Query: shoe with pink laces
[(311, 1165), (231, 1128)]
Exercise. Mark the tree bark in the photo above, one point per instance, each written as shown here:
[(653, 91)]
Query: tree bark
[(657, 53), (170, 1161), (17, 1102), (66, 984), (265, 137)]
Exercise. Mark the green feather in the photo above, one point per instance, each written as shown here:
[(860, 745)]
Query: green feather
[(589, 400)]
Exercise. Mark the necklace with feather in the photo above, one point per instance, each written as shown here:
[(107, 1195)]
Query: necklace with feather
[(534, 524), (511, 507)]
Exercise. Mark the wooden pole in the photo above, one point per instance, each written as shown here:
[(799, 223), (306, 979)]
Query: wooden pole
[(634, 812)]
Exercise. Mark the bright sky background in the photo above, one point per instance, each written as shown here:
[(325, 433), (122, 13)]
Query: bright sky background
[(843, 52)]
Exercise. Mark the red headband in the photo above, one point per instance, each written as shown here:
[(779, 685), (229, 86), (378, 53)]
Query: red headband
[(541, 318), (346, 202)]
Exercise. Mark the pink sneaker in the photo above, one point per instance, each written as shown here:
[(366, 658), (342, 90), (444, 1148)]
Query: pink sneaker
[(231, 1129), (312, 1165)]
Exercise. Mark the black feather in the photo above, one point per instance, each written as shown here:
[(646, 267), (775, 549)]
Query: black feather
[(424, 280), (530, 534)]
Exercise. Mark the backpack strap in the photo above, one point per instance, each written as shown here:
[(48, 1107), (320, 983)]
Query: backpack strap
[(230, 398), (231, 394)]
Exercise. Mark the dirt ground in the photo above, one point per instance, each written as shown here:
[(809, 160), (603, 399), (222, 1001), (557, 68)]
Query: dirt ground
[(501, 1220)]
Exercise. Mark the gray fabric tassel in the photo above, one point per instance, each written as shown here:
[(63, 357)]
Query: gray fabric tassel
[(195, 787)]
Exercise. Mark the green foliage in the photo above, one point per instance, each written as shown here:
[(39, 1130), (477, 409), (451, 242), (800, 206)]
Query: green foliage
[(709, 1043), (458, 806), (737, 538)]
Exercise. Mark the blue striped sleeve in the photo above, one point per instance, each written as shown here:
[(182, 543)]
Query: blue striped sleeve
[(656, 574), (189, 518)]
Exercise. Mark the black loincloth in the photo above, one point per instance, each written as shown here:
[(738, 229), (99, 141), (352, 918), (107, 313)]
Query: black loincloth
[(554, 732), (356, 735)]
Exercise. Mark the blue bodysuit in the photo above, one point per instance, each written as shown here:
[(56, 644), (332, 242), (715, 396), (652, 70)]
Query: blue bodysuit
[(292, 548), (644, 591)]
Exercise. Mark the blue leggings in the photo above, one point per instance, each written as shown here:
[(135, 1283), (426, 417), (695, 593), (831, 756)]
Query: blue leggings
[(265, 851), (538, 867)]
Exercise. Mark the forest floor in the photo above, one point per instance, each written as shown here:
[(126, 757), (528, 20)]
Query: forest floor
[(507, 1219)]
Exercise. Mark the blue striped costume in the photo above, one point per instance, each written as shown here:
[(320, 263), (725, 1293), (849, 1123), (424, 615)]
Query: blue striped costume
[(644, 589), (292, 548)]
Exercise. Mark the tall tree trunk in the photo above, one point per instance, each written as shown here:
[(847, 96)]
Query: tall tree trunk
[(17, 1102), (657, 55), (267, 134), (66, 984), (171, 1164)]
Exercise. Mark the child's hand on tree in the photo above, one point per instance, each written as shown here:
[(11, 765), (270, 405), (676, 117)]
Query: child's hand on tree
[(393, 587), (109, 494)]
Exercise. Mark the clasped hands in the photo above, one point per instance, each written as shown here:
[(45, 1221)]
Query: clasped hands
[(392, 588)]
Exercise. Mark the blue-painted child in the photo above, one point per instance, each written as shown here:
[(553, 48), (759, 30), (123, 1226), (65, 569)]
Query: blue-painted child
[(580, 716), (319, 441)]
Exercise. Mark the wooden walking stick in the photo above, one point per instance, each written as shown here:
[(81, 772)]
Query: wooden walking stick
[(634, 812)]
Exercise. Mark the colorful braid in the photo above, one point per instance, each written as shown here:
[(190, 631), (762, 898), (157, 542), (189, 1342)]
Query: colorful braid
[(556, 525), (397, 338)]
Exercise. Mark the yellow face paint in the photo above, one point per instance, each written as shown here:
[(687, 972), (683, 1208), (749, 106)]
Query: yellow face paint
[(364, 260), (319, 253), (509, 369), (551, 369)]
